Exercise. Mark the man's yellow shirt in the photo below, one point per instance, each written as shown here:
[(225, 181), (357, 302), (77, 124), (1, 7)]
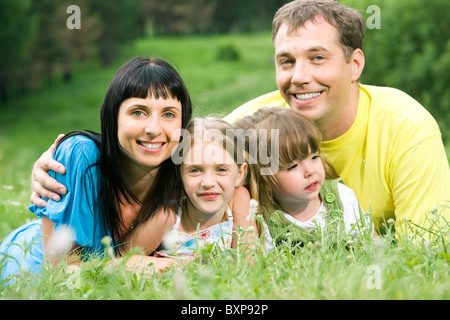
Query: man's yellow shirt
[(392, 156)]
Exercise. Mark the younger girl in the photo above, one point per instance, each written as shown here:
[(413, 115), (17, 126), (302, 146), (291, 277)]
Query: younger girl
[(215, 204), (304, 198)]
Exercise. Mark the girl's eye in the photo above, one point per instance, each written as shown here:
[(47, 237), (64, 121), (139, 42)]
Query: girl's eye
[(315, 156), (292, 166), (222, 170), (192, 171)]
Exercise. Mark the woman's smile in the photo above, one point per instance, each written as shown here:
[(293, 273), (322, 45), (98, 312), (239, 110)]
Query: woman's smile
[(149, 129)]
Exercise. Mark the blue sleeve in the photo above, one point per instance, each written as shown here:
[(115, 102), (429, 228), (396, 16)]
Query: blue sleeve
[(79, 208)]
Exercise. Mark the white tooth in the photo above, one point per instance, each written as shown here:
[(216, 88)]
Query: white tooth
[(307, 96), (151, 146)]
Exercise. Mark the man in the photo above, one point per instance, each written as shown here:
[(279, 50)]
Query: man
[(384, 144)]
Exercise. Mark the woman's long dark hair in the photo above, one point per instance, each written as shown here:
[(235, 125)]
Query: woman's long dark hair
[(138, 78)]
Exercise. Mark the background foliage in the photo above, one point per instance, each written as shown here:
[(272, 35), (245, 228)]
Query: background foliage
[(411, 50)]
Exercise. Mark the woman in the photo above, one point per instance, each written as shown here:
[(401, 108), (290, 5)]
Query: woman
[(115, 181)]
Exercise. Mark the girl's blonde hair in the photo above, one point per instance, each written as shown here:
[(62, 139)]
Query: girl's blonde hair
[(297, 138), (215, 130)]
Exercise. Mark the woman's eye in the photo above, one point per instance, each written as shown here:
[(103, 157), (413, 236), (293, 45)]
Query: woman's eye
[(137, 113), (169, 115)]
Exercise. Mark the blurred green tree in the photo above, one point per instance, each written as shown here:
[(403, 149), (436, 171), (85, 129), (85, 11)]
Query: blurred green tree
[(120, 23), (411, 51), (17, 33)]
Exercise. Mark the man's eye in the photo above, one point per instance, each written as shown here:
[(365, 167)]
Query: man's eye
[(285, 63), (319, 58)]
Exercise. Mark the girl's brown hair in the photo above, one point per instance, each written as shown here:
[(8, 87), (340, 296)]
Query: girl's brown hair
[(297, 138)]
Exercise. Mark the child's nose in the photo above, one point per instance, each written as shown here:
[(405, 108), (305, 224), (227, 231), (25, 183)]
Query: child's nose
[(208, 180), (308, 170)]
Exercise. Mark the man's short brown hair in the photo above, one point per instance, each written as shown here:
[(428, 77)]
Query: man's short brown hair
[(349, 23)]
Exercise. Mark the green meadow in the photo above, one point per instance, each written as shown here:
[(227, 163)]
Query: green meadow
[(219, 81)]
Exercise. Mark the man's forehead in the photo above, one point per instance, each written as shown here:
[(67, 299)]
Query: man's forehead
[(297, 30), (313, 36)]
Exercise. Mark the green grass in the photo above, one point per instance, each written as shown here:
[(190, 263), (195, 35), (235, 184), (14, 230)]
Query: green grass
[(28, 125), (362, 269)]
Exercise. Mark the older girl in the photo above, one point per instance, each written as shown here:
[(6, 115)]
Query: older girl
[(215, 206)]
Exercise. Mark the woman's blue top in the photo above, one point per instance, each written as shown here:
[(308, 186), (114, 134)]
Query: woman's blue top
[(79, 209)]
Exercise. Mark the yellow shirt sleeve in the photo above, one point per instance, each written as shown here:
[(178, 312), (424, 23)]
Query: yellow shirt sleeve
[(272, 99)]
